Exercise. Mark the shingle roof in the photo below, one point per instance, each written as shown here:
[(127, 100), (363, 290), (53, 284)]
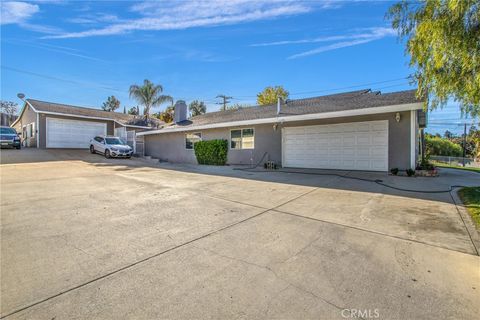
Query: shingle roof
[(122, 118), (359, 99)]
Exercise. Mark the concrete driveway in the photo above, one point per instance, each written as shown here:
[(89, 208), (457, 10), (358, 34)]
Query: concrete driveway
[(83, 237)]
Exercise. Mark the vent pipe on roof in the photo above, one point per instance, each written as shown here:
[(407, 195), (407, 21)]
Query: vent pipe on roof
[(278, 105), (180, 112)]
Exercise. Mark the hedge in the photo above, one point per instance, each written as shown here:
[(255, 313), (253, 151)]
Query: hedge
[(437, 146), (212, 152)]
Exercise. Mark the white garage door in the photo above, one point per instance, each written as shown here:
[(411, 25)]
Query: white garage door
[(62, 133), (352, 146)]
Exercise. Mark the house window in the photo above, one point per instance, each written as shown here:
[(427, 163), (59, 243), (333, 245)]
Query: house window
[(242, 138), (191, 139), (30, 130)]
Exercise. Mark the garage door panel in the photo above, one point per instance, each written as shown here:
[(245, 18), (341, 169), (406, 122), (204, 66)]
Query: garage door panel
[(377, 152), (379, 126), (380, 139), (357, 146), (66, 133), (348, 152), (362, 152), (364, 139)]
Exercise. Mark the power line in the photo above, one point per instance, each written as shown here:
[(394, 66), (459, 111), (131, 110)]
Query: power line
[(86, 84), (226, 100), (340, 88)]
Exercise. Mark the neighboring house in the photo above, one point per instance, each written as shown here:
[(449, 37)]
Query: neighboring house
[(7, 119), (53, 125), (360, 130)]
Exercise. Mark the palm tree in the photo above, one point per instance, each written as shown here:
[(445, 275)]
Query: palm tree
[(149, 95)]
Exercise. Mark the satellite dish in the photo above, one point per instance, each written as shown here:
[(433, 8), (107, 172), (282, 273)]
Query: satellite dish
[(20, 95)]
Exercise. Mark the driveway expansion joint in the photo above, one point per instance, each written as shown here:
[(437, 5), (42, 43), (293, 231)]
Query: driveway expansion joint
[(370, 231), (129, 266)]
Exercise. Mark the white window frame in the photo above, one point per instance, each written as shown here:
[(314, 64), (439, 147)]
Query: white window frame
[(193, 143), (241, 139), (31, 130)]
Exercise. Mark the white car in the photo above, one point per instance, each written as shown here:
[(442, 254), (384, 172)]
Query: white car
[(110, 147)]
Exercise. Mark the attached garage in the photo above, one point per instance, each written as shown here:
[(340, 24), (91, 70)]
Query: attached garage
[(65, 133), (348, 146)]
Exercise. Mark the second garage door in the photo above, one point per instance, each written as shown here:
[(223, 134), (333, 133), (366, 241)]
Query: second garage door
[(349, 146), (76, 134)]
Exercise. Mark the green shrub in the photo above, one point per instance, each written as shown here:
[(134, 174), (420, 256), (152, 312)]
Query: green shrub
[(437, 146), (394, 171), (410, 172), (212, 152)]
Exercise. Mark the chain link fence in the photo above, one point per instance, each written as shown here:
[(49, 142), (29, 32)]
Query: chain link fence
[(456, 161)]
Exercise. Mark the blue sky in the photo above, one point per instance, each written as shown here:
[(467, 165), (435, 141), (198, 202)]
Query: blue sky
[(80, 52)]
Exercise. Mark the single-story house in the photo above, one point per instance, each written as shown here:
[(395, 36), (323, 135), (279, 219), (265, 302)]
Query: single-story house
[(359, 130), (53, 125)]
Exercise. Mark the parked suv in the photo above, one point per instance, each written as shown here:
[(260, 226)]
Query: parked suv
[(110, 147), (9, 138)]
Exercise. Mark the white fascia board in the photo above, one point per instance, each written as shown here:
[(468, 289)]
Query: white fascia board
[(79, 116), (133, 126), (282, 119)]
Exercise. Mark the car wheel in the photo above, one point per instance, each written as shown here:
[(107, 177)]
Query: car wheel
[(18, 148), (107, 154), (129, 157), (92, 149)]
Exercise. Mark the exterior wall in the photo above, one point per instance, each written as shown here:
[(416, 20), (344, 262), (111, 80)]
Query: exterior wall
[(28, 116), (171, 146), (43, 125)]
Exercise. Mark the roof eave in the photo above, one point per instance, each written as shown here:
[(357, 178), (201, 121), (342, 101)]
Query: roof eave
[(310, 116)]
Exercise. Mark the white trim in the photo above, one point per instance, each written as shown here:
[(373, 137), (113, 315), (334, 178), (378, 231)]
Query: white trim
[(283, 145), (37, 136), (241, 139), (413, 146), (132, 126), (281, 119), (23, 110)]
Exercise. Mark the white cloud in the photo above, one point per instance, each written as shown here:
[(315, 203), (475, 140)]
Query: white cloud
[(171, 15), (91, 19), (17, 12), (365, 36), (366, 33)]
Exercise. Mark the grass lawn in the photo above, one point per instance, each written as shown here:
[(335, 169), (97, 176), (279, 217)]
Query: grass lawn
[(443, 165), (471, 198)]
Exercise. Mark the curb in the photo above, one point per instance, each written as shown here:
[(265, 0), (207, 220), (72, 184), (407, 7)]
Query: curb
[(467, 220)]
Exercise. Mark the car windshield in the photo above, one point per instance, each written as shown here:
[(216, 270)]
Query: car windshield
[(114, 141), (7, 131)]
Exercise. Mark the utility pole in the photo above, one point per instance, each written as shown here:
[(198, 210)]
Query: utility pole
[(464, 143), (226, 99)]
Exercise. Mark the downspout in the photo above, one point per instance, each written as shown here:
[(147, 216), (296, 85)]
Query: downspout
[(37, 129)]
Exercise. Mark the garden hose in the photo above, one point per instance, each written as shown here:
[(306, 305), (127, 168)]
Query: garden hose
[(377, 181)]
